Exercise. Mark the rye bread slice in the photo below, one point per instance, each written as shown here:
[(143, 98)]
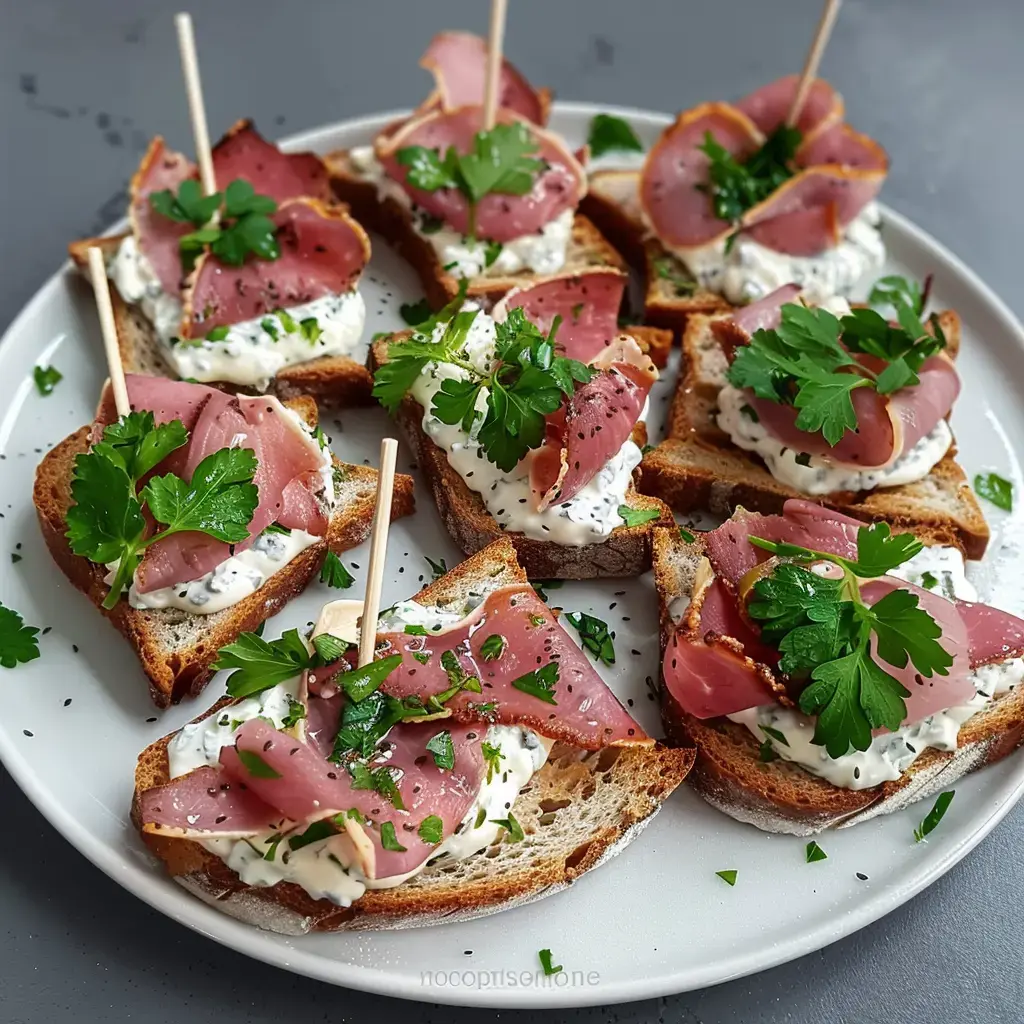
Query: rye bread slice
[(177, 648), (578, 811), (779, 796)]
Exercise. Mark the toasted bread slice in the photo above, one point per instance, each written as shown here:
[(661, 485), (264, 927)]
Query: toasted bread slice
[(780, 796), (177, 648), (671, 293), (698, 467), (626, 552), (331, 380), (579, 810)]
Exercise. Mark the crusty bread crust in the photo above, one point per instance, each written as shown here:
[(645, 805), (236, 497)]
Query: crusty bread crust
[(175, 647), (698, 467), (779, 796), (334, 381), (626, 552), (578, 810)]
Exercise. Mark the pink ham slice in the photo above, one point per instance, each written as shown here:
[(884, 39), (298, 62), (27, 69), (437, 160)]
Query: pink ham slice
[(244, 153), (682, 215), (157, 236), (289, 461), (994, 635), (586, 713), (309, 787), (593, 426), (499, 217), (323, 252), (769, 106), (206, 800), (588, 304), (458, 62)]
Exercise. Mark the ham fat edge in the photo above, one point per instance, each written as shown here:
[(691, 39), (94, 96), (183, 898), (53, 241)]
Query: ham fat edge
[(300, 785)]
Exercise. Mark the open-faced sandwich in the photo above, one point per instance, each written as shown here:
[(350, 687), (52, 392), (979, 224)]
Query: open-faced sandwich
[(733, 202), (830, 671), (527, 422), (479, 763), (784, 400), (252, 287), (496, 207), (198, 516)]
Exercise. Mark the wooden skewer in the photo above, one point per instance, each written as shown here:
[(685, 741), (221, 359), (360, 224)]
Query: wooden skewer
[(492, 83), (378, 549), (814, 55), (196, 108), (98, 273)]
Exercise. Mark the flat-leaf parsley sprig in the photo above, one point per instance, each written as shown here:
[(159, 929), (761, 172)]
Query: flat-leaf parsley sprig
[(500, 161), (525, 382), (828, 635), (808, 362), (106, 522)]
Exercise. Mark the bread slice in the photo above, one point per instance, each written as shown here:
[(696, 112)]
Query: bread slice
[(177, 648), (334, 381), (779, 796), (671, 293), (626, 552), (698, 467), (578, 811)]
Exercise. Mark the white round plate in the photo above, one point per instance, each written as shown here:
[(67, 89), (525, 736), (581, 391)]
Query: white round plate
[(656, 920)]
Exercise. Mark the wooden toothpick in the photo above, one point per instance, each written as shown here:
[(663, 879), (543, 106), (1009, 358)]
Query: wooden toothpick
[(378, 549), (814, 55), (98, 273), (196, 108), (492, 83)]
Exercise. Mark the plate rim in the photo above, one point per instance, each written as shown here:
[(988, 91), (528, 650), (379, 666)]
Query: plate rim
[(128, 871)]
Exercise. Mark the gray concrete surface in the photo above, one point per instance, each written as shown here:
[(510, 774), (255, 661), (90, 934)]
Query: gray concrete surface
[(83, 85)]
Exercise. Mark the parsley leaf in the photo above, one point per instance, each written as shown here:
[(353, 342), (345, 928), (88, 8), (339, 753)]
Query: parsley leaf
[(540, 683), (256, 766), (544, 955), (442, 749), (935, 815), (334, 574), (814, 852), (493, 647), (329, 647), (46, 378), (992, 487), (511, 826), (260, 664), (438, 568), (414, 313), (610, 134), (431, 830), (18, 643), (137, 444), (594, 636), (492, 758), (388, 839), (637, 516), (728, 876), (894, 290)]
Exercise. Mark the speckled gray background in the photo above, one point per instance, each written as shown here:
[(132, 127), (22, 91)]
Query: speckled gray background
[(84, 83)]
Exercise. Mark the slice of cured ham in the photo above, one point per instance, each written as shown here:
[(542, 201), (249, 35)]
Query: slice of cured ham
[(458, 62), (768, 107), (559, 187), (323, 252)]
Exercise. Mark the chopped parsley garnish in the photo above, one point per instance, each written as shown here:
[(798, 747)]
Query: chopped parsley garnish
[(525, 383), (929, 580), (492, 250), (686, 534), (317, 831), (767, 753), (895, 291), (992, 487), (260, 664), (541, 587), (18, 642), (431, 830), (610, 134), (255, 765), (438, 568), (334, 574), (540, 683), (296, 712), (511, 826), (728, 875), (637, 516), (735, 187), (329, 647), (106, 521), (493, 647), (828, 635), (46, 378), (442, 750), (774, 734), (808, 362), (492, 758), (310, 329), (380, 780), (594, 636), (414, 313), (388, 839), (244, 227), (414, 630), (500, 162), (668, 268), (814, 852), (935, 815), (544, 955)]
